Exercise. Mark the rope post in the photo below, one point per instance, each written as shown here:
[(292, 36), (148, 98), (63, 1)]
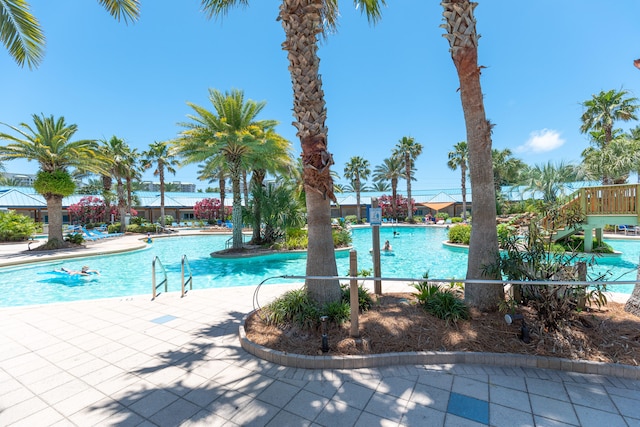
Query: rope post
[(353, 293), (375, 229)]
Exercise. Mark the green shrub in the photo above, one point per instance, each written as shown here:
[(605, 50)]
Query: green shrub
[(351, 219), (426, 291), (341, 238), (456, 220), (442, 215), (338, 312), (294, 307), (576, 244), (15, 227), (460, 233), (75, 238), (445, 305), (364, 299), (296, 238), (138, 220), (505, 232)]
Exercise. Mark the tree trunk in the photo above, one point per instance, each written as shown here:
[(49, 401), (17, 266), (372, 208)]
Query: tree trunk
[(483, 247), (463, 168), (161, 176), (222, 184), (236, 213), (54, 209), (358, 202), (122, 205), (302, 22), (257, 178), (409, 202), (321, 258), (394, 197), (633, 303)]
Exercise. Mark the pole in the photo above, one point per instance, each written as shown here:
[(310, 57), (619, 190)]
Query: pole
[(353, 294), (377, 284)]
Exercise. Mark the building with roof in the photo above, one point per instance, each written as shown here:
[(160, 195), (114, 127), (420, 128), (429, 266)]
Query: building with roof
[(179, 205)]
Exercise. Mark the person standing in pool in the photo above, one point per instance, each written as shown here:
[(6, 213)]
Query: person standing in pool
[(387, 246)]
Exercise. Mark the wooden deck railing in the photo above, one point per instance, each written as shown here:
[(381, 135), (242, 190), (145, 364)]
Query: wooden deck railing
[(610, 200), (604, 200)]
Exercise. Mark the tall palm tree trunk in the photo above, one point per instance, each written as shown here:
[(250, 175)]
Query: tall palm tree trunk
[(257, 178), (236, 213), (302, 22), (161, 177), (463, 168), (483, 247), (54, 211), (222, 183), (408, 164), (394, 197), (122, 205), (129, 194)]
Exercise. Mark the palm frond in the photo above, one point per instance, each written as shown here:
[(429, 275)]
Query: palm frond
[(20, 32)]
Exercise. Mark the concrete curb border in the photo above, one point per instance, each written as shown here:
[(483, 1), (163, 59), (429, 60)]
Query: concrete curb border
[(434, 358)]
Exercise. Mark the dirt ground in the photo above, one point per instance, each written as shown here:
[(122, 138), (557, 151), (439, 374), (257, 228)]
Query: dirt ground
[(395, 323)]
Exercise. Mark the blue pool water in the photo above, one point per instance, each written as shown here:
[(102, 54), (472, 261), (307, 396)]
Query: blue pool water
[(415, 251)]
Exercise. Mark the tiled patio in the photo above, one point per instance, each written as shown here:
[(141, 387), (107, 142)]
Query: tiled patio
[(178, 361)]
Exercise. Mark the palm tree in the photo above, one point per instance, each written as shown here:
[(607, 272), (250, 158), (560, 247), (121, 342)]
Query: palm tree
[(391, 171), (381, 186), (550, 179), (163, 157), (230, 135), (49, 143), (132, 169), (460, 25), (211, 171), (21, 34), (507, 170), (459, 158), (356, 171), (120, 164), (272, 155), (601, 113), (303, 21), (616, 160), (408, 151)]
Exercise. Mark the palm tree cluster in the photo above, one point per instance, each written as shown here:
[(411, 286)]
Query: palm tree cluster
[(232, 133), (400, 165)]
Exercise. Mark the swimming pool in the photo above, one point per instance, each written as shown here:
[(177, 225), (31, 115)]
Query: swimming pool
[(415, 251)]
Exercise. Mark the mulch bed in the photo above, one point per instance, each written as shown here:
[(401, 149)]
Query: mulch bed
[(395, 323)]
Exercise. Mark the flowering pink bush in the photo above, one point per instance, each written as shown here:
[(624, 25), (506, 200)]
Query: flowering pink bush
[(208, 209), (89, 209), (401, 206)]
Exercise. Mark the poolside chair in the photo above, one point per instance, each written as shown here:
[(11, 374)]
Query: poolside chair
[(629, 229)]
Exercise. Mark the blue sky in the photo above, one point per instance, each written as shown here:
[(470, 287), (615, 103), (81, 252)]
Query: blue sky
[(543, 58)]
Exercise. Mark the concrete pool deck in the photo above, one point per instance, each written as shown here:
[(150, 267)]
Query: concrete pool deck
[(178, 361)]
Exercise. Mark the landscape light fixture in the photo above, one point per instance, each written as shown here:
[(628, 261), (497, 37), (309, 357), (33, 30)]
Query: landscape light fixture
[(524, 330), (325, 337)]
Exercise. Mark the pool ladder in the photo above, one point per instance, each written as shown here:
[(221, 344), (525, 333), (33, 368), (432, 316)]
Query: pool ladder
[(164, 281)]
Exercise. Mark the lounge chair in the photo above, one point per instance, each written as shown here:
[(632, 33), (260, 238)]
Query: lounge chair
[(629, 229)]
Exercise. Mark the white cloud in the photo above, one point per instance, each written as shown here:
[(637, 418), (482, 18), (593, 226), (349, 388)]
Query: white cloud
[(541, 141)]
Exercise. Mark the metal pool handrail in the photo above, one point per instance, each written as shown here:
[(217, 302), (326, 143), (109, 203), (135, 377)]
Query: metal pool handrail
[(153, 277), (189, 281)]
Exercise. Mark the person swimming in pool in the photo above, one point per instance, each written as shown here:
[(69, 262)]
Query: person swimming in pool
[(85, 271), (387, 246)]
